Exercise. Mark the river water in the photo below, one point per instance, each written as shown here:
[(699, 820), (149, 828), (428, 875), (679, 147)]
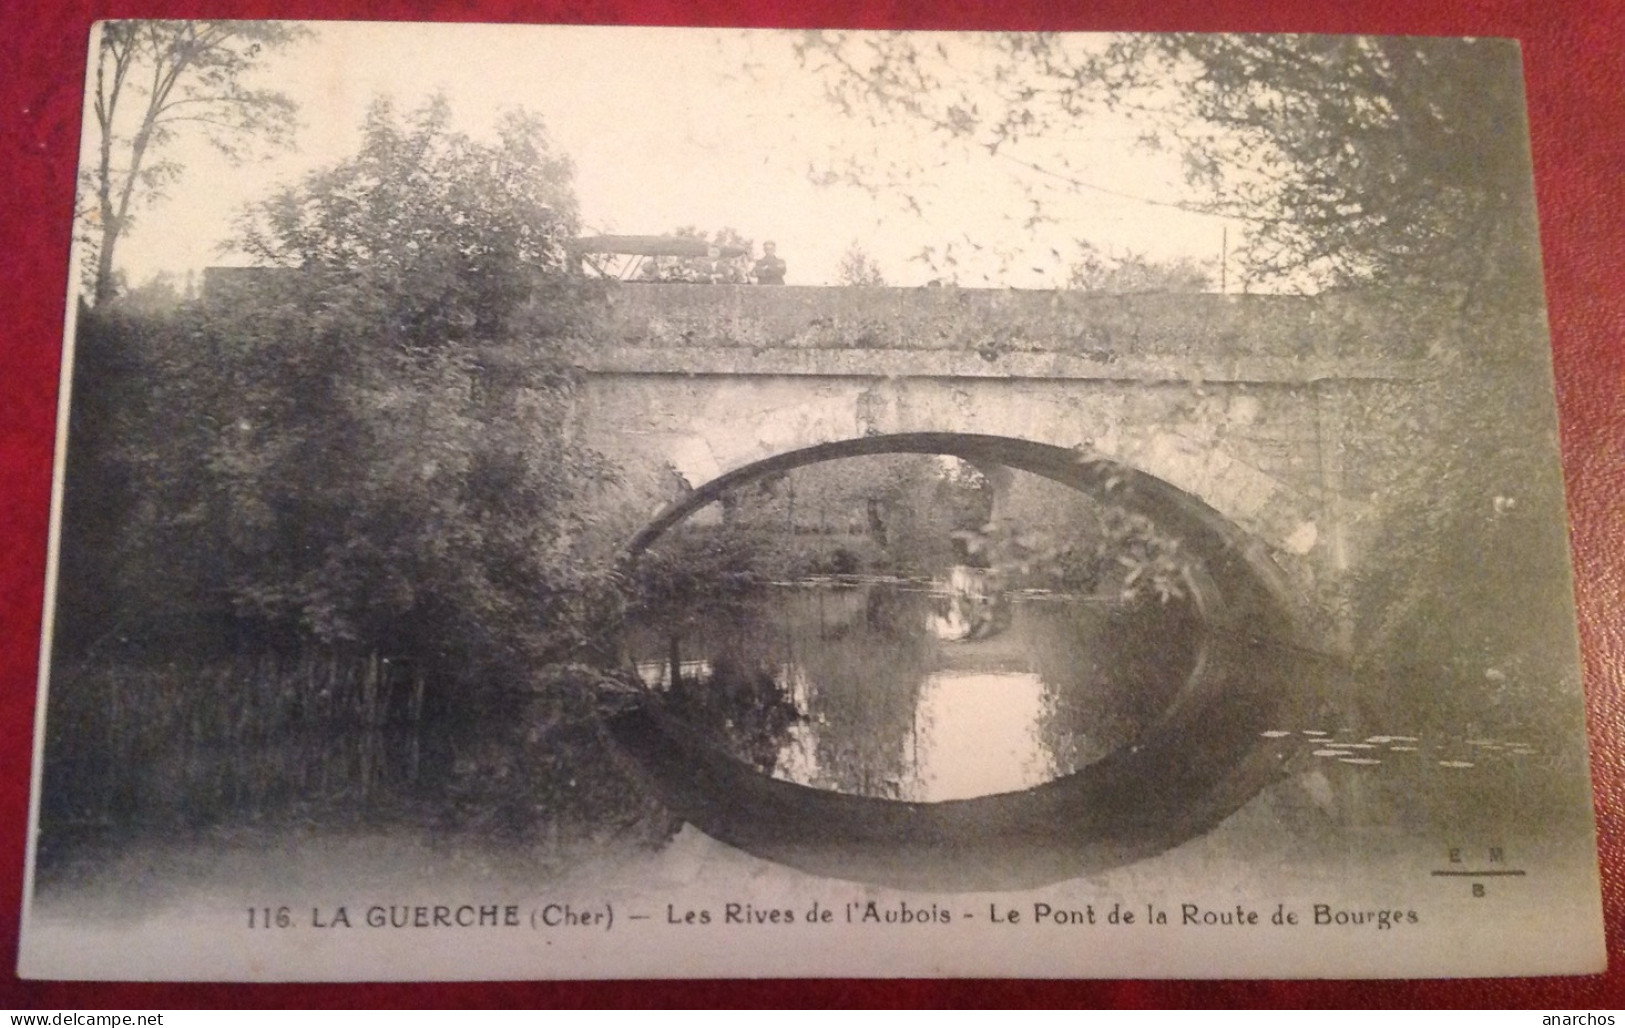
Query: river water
[(924, 691), (921, 691)]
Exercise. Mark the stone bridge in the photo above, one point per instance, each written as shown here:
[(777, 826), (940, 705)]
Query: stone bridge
[(1243, 404)]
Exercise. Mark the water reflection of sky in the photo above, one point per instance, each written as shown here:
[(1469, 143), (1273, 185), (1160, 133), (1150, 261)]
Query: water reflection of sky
[(975, 734), (856, 691), (981, 735)]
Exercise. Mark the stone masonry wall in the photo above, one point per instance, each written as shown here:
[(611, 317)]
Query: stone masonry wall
[(1234, 399)]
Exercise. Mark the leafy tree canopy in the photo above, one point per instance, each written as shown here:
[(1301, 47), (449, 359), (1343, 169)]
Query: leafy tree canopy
[(732, 265), (1379, 163), (399, 474), (1352, 160), (1096, 271), (435, 236), (859, 269)]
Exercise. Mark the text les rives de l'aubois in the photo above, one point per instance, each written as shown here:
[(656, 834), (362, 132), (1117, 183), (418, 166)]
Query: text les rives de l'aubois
[(601, 916)]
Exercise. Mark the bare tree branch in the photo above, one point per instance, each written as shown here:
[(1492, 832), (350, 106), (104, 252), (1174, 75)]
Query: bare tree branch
[(190, 63)]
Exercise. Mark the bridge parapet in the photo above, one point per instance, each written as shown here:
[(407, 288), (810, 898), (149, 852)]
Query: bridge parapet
[(1282, 414), (892, 362), (995, 324)]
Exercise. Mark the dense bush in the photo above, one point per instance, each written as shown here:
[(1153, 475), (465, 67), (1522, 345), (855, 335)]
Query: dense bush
[(368, 451)]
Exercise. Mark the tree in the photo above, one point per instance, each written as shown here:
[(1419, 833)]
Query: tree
[(436, 236), (401, 477), (732, 265), (1388, 164), (155, 81), (859, 269), (1355, 160), (161, 294), (1352, 160), (1097, 272)]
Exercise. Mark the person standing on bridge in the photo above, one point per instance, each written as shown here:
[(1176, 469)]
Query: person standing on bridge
[(769, 271)]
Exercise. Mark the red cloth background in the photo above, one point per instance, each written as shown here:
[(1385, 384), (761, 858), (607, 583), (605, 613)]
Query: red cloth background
[(1574, 53)]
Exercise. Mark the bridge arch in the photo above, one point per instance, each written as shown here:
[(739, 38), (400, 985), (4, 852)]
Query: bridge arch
[(1213, 747), (1226, 419), (706, 427), (1240, 581)]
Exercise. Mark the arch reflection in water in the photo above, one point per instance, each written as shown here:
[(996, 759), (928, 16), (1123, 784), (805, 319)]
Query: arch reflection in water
[(879, 654), (850, 688)]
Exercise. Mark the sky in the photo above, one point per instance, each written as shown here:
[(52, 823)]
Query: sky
[(710, 128)]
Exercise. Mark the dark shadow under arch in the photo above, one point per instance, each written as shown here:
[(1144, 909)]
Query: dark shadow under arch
[(1251, 587), (1206, 755)]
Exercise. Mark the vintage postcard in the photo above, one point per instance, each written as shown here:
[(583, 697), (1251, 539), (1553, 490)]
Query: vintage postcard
[(578, 503)]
